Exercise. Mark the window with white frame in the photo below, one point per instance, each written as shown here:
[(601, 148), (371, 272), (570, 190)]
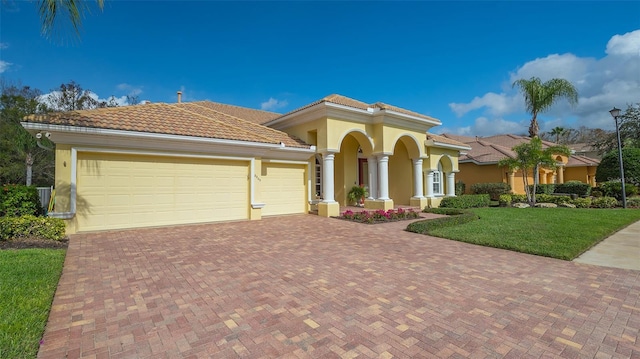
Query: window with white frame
[(437, 181), (318, 177)]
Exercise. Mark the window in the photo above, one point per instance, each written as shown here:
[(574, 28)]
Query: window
[(437, 180), (318, 177)]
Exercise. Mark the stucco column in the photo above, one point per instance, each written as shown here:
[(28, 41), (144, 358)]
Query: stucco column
[(560, 174), (383, 176), (451, 184), (417, 178), (543, 177), (429, 183), (327, 177), (512, 178), (372, 164)]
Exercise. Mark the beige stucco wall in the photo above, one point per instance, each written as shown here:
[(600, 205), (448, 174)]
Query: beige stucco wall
[(400, 175)]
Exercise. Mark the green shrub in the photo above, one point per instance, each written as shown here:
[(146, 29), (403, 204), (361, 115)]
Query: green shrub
[(466, 201), (424, 227), (30, 226), (445, 211), (547, 198), (460, 188), (581, 202), (543, 188), (614, 189), (494, 190), (505, 200), (633, 202), (19, 200), (596, 192), (574, 187), (604, 202)]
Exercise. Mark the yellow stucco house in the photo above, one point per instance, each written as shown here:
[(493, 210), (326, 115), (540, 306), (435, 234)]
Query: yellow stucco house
[(480, 164), (166, 164)]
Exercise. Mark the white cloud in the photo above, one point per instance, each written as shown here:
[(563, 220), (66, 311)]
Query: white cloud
[(4, 66), (4, 45), (613, 80), (483, 126), (273, 104), (120, 101), (129, 89)]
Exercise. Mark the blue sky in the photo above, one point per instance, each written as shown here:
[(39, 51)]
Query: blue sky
[(454, 60)]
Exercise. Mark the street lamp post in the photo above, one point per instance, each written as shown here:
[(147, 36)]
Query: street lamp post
[(615, 113)]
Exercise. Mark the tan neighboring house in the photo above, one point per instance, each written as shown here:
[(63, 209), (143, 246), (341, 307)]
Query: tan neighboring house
[(166, 164), (480, 164)]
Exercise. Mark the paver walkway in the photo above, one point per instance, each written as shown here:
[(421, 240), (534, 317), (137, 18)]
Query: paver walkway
[(305, 286)]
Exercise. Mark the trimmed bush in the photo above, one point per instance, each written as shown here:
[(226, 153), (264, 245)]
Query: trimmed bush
[(494, 190), (574, 187), (30, 226), (604, 202), (466, 201), (614, 189), (596, 192), (633, 202), (543, 188), (460, 188), (424, 227), (505, 200), (19, 200), (581, 202), (547, 198)]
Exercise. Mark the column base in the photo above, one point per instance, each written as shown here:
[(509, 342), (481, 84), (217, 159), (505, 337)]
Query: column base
[(328, 209), (420, 202), (384, 204)]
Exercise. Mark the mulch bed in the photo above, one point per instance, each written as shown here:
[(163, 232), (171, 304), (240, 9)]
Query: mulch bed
[(25, 243)]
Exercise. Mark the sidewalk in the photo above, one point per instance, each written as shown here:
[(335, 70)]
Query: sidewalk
[(621, 250)]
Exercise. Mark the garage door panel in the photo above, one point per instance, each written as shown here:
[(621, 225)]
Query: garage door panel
[(125, 191), (283, 189)]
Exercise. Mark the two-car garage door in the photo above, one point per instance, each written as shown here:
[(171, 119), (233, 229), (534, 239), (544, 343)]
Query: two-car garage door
[(127, 191)]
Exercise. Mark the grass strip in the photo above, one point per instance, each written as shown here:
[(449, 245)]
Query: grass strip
[(27, 285), (562, 233)]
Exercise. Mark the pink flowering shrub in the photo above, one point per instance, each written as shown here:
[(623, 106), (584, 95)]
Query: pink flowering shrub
[(380, 216)]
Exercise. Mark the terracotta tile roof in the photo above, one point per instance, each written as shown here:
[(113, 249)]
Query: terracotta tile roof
[(487, 150), (349, 102), (185, 119), (248, 114), (443, 139)]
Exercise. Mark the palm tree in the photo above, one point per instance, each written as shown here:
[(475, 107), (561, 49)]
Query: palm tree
[(540, 96), (49, 9), (557, 131)]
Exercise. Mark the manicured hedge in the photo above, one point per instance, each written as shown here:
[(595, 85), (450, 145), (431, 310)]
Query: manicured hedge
[(494, 190), (614, 189), (547, 188), (604, 202), (30, 226), (575, 187), (466, 201), (19, 200), (454, 217)]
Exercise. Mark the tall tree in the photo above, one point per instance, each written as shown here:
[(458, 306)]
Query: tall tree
[(21, 159), (557, 131), (73, 9), (629, 125), (540, 96), (71, 97), (529, 157)]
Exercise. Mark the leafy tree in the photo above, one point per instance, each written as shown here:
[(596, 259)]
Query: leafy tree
[(609, 167), (50, 9), (71, 97), (529, 157), (21, 159), (540, 96), (557, 131), (629, 125)]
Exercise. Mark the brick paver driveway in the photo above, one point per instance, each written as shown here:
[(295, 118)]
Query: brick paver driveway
[(305, 286)]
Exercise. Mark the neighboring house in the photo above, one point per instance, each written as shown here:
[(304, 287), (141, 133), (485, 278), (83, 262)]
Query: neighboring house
[(480, 164), (166, 164), (586, 150)]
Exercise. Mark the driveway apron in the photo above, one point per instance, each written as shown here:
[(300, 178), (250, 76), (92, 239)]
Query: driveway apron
[(311, 287)]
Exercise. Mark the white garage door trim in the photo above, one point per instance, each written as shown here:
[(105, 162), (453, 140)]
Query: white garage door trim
[(74, 172)]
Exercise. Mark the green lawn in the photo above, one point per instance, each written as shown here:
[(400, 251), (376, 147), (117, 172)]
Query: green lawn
[(28, 281), (562, 233)]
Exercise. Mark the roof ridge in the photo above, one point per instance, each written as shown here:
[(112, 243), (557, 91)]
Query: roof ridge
[(240, 119), (236, 106), (268, 140)]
